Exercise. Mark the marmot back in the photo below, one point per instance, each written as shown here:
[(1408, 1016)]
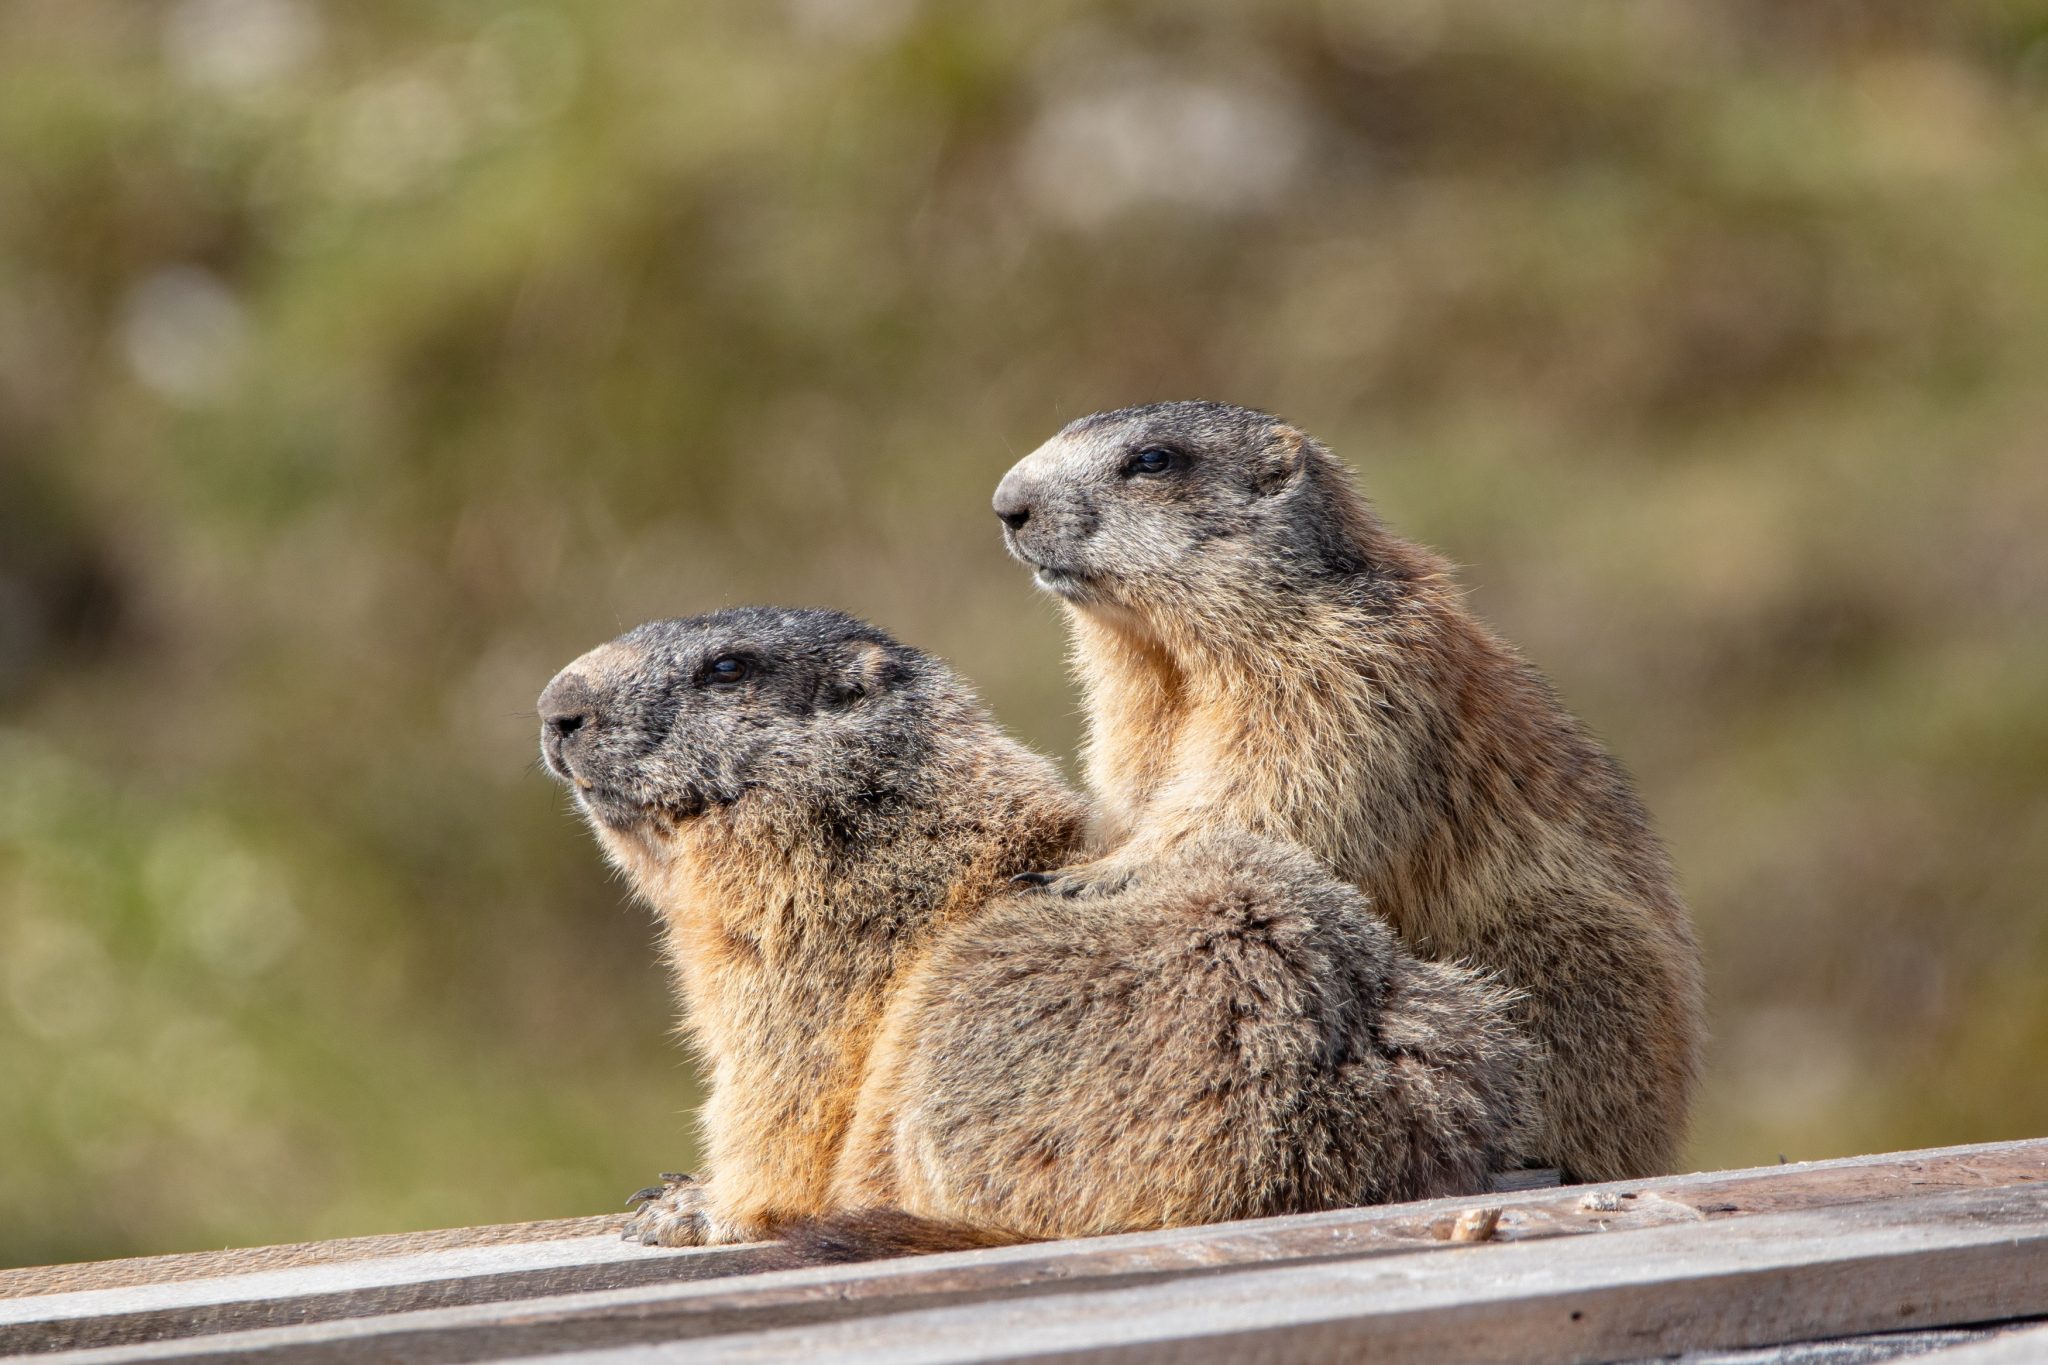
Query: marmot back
[(1257, 649), (1233, 1035), (828, 824)]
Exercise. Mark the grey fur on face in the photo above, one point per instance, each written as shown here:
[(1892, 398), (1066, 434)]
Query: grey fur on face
[(676, 717), (1124, 505)]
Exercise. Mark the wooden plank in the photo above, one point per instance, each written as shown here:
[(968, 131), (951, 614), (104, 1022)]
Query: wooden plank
[(1927, 1261), (362, 1287), (1998, 1160), (23, 1281), (720, 1308), (185, 1265), (323, 1292)]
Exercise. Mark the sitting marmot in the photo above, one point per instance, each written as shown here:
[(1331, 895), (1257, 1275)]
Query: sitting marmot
[(828, 824), (1258, 649)]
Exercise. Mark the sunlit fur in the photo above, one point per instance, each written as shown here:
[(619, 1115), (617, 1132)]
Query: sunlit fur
[(1257, 649), (888, 1024)]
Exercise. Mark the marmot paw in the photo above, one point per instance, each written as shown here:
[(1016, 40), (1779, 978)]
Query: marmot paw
[(671, 1214), (679, 1213)]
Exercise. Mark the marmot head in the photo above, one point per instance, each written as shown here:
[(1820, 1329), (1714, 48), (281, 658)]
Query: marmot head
[(795, 708), (1155, 508)]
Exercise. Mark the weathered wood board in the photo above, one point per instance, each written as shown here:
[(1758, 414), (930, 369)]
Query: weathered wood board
[(1668, 1264)]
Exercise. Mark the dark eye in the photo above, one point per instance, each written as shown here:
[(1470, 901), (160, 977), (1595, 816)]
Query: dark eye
[(1153, 461), (726, 671)]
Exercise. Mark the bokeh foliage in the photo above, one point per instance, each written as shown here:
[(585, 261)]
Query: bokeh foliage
[(360, 364)]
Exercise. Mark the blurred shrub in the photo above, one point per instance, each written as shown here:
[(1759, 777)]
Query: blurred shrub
[(361, 364)]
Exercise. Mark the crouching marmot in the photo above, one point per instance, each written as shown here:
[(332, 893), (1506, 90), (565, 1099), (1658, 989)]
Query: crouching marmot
[(828, 823), (1258, 649)]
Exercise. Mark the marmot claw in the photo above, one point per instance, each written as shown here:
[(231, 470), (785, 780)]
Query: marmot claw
[(1081, 881), (670, 1214)]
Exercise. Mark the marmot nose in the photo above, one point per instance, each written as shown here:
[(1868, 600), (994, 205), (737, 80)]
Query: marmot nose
[(567, 706), (1013, 512)]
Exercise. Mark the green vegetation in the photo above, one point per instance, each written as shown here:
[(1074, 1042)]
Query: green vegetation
[(361, 364)]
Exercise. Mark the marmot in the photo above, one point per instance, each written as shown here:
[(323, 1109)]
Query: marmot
[(828, 823), (1257, 648)]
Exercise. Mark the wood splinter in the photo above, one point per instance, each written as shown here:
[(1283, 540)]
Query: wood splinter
[(1476, 1225)]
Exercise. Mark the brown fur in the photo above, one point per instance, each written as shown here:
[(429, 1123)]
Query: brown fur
[(889, 1025), (1256, 648), (878, 1234)]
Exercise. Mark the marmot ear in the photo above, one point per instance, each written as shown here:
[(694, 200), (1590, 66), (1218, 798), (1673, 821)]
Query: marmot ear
[(867, 667), (1282, 461)]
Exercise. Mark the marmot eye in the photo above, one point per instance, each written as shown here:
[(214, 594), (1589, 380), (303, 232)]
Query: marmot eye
[(1153, 461), (726, 670)]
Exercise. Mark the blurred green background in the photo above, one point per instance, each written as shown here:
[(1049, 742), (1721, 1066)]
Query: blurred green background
[(360, 364)]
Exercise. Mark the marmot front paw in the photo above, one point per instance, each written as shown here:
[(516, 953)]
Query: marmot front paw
[(679, 1212), (671, 1214)]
